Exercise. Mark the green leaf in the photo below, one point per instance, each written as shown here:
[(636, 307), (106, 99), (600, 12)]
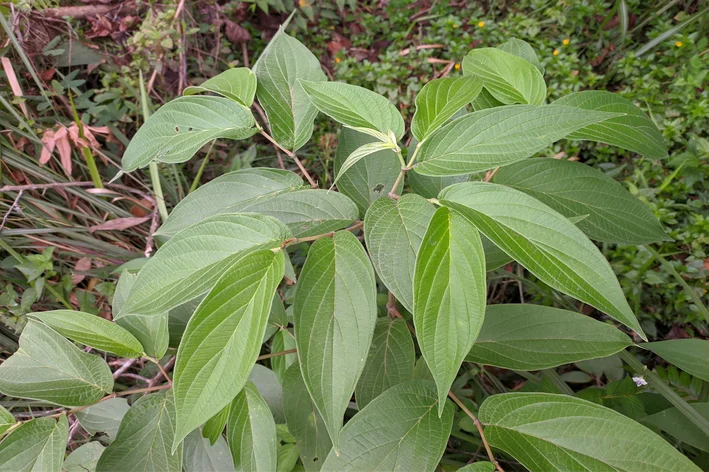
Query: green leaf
[(335, 312), (355, 106), (497, 137), (390, 361), (190, 263), (676, 424), (449, 295), (48, 367), (238, 84), (690, 355), (283, 340), (485, 100), (304, 421), (359, 154), (37, 445), (144, 438), (544, 242), (287, 457), (84, 458), (575, 189), (494, 256), (533, 337), (270, 389), (368, 179), (232, 192), (201, 456), (214, 427), (634, 130), (182, 126), (558, 432), (6, 420), (522, 49), (428, 186), (439, 100), (509, 78), (399, 430), (478, 467), (223, 338), (104, 417), (251, 432), (91, 330), (393, 230), (287, 106)]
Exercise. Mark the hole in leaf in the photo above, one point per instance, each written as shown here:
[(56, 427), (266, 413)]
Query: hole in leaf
[(177, 129), (190, 128), (315, 459), (378, 188)]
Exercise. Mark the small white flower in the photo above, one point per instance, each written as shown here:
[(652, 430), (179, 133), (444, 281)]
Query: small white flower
[(639, 381)]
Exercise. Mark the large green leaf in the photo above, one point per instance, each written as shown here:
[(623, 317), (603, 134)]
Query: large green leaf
[(182, 126), (574, 189), (390, 361), (439, 100), (84, 458), (368, 179), (533, 337), (399, 430), (201, 456), (544, 242), (675, 423), (334, 315), (238, 84), (49, 367), (304, 421), (501, 136), (91, 330), (365, 150), (283, 340), (223, 338), (548, 432), (634, 130), (251, 432), (393, 230), (449, 295), (508, 77), (104, 417), (6, 420), (144, 438), (190, 263), (36, 446), (522, 49), (287, 106), (229, 193), (690, 355), (355, 106)]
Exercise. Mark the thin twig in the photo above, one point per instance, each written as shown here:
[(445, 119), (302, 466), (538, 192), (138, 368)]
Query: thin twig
[(276, 354), (292, 156), (125, 366), (163, 371), (12, 207), (292, 241), (478, 425)]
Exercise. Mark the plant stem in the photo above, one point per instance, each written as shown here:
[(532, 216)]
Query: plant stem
[(90, 162), (195, 182), (478, 425), (157, 188), (292, 241), (666, 391), (276, 354), (399, 180), (291, 155)]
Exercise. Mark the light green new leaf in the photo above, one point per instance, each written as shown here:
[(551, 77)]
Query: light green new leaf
[(390, 361), (214, 427), (439, 100), (533, 337), (500, 136), (544, 242), (522, 49), (223, 338), (283, 340), (251, 432), (449, 295), (144, 438), (190, 263), (229, 193), (368, 179), (690, 355), (104, 417), (574, 189), (334, 315), (359, 154), (36, 446), (150, 330), (355, 106), (84, 458), (393, 230), (91, 330), (238, 84), (304, 421), (49, 367), (509, 78), (182, 126), (676, 424), (287, 106), (201, 456), (399, 431), (634, 131), (547, 432), (6, 420)]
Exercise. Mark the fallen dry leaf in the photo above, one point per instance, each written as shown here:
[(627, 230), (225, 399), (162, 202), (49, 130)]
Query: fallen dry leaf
[(14, 83), (82, 265), (119, 224), (48, 148), (61, 138)]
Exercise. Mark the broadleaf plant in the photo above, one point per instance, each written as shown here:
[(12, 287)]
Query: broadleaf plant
[(371, 300)]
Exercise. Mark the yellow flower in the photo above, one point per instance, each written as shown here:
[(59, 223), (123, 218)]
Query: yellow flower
[(337, 60), (455, 26), (481, 24), (303, 3), (678, 44), (556, 52), (566, 42), (332, 28), (457, 66)]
